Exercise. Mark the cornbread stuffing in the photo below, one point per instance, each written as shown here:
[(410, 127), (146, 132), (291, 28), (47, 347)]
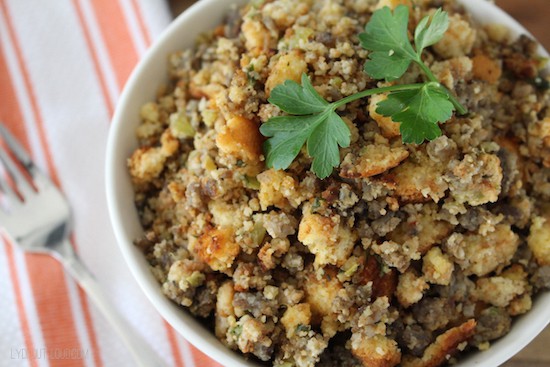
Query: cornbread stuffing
[(407, 255)]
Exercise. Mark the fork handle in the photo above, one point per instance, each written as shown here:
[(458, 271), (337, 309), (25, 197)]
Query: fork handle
[(143, 354)]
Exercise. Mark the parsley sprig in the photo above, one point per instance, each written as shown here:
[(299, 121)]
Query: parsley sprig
[(417, 107)]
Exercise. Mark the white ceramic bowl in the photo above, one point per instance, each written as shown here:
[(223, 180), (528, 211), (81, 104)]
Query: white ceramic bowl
[(141, 87)]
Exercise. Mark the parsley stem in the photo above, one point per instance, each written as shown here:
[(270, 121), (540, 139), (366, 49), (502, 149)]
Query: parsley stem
[(370, 92), (459, 107)]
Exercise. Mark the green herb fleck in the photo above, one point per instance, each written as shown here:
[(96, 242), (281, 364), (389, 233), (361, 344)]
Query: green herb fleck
[(316, 204), (196, 279), (236, 331), (251, 182), (180, 127)]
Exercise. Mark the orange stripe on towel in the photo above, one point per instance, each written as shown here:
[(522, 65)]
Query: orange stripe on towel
[(202, 360), (172, 339), (116, 37)]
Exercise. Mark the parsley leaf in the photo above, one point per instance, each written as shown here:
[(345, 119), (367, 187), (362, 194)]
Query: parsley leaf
[(323, 130), (287, 136), (425, 36), (386, 36), (323, 144), (418, 111), (390, 32), (297, 99)]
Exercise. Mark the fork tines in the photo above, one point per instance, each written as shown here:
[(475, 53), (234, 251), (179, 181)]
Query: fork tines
[(15, 182)]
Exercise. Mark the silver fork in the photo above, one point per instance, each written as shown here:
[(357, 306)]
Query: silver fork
[(37, 217)]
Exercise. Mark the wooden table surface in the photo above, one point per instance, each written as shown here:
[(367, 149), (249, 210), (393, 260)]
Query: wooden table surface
[(534, 15)]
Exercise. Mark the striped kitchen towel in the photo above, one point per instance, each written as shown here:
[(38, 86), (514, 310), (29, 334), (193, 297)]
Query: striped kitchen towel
[(63, 64)]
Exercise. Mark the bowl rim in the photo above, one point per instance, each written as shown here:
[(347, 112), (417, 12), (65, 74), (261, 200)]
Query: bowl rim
[(524, 330)]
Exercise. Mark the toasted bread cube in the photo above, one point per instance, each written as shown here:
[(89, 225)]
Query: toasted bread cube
[(539, 240), (327, 238), (417, 180), (437, 267), (202, 85), (278, 188), (498, 291), (224, 309), (520, 305), (539, 140), (392, 4), (498, 32), (444, 347), (376, 351), (388, 127), (147, 163), (450, 72), (480, 255), (217, 248), (285, 12), (241, 138), (186, 274), (410, 288), (426, 226), (372, 160), (486, 69), (458, 40), (319, 293), (257, 39), (477, 179), (296, 316), (289, 67)]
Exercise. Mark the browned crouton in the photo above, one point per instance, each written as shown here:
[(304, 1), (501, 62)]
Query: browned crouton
[(319, 293), (372, 160), (481, 254), (296, 316), (417, 180), (410, 288), (486, 69), (217, 248), (444, 346), (147, 163), (437, 267), (539, 240), (242, 139), (458, 40), (376, 351), (278, 188), (224, 309), (388, 127), (328, 238), (425, 226), (289, 67), (256, 36), (475, 180)]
